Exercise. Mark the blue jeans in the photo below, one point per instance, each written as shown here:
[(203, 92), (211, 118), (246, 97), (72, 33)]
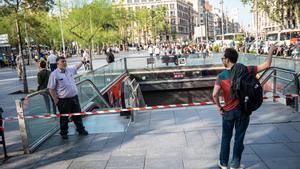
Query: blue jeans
[(233, 118)]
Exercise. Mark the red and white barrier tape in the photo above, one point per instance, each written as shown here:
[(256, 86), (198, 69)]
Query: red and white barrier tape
[(131, 109)]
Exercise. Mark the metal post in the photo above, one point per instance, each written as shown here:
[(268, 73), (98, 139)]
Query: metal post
[(222, 2), (274, 85), (125, 65), (61, 29), (297, 91), (256, 27), (22, 126)]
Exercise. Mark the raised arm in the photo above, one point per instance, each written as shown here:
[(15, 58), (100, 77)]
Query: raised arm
[(78, 66), (267, 63)]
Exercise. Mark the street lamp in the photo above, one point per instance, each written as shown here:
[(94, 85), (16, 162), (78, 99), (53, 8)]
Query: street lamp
[(61, 29), (222, 2)]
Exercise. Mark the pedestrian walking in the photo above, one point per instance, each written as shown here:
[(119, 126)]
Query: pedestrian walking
[(86, 57), (20, 65), (157, 51), (43, 78), (52, 61), (110, 57), (12, 60), (62, 88), (150, 50), (233, 115)]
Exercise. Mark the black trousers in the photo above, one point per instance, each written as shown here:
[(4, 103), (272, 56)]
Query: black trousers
[(69, 105)]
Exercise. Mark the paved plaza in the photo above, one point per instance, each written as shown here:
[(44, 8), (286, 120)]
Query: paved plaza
[(179, 138)]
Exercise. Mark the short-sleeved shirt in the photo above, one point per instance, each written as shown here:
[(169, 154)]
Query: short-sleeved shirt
[(63, 82), (52, 59), (224, 81)]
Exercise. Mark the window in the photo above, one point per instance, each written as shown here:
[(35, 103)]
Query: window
[(136, 1), (173, 28), (172, 6), (143, 0), (173, 21), (172, 13), (129, 2)]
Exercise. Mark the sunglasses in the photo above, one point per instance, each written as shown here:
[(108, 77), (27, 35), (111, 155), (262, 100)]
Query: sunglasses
[(223, 58)]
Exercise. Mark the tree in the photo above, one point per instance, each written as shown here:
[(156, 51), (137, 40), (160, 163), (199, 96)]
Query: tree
[(142, 18), (17, 9), (276, 9), (158, 24), (122, 19), (87, 20)]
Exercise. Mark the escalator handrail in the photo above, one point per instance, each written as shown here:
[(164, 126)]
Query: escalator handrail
[(95, 88), (77, 84), (274, 69)]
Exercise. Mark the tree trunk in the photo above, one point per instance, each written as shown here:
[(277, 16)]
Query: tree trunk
[(25, 84), (91, 57)]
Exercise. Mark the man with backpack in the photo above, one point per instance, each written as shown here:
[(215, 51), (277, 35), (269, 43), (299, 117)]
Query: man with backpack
[(239, 85)]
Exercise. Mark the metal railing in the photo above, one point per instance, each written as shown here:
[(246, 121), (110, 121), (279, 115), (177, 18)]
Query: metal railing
[(131, 95), (282, 81), (35, 131)]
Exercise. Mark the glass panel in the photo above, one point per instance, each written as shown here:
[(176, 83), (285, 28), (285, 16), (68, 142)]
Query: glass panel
[(38, 105), (88, 95)]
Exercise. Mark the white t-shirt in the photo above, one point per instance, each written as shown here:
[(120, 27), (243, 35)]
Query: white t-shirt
[(52, 59), (150, 50)]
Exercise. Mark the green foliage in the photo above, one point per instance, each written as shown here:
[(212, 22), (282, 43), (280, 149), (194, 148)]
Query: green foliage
[(85, 21), (252, 51), (216, 48), (275, 9)]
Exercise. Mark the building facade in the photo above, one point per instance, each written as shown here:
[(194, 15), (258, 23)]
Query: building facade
[(264, 24), (180, 16)]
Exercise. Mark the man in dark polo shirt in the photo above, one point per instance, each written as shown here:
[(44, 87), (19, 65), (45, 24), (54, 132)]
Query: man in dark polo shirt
[(231, 111), (63, 90)]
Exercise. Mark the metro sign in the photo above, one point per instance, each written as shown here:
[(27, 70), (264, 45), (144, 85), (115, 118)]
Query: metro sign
[(178, 75)]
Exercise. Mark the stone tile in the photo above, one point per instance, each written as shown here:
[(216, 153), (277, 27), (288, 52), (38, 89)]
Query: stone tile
[(57, 159), (192, 153), (257, 134), (121, 162), (93, 156), (250, 157), (88, 165), (289, 131), (267, 151), (163, 163), (295, 147), (164, 152), (56, 164), (254, 165), (284, 162), (200, 164), (129, 152)]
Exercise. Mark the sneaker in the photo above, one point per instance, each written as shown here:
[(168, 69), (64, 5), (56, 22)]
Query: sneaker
[(65, 137), (83, 132), (222, 166)]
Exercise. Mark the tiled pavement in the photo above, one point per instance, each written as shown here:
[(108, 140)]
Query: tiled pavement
[(182, 138)]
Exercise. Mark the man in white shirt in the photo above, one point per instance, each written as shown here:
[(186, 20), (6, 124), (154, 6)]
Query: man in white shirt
[(52, 61), (63, 90), (150, 50)]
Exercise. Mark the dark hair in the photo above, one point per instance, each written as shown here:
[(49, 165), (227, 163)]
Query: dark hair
[(60, 58), (231, 54), (42, 64)]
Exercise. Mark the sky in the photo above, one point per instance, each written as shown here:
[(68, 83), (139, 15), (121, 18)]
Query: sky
[(245, 16)]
